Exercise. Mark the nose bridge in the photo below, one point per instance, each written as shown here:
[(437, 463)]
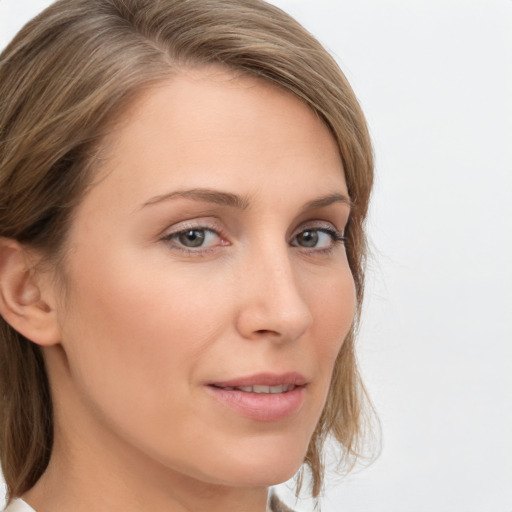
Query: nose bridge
[(273, 303)]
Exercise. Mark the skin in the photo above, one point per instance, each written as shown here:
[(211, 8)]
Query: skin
[(145, 323)]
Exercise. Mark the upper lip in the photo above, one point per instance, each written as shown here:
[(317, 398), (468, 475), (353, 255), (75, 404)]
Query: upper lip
[(263, 379)]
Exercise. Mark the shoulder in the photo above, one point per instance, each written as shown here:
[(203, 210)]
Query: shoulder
[(18, 505)]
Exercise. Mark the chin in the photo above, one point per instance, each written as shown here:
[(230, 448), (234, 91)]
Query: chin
[(265, 475), (269, 465)]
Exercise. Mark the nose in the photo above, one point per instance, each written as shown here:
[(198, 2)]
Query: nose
[(270, 304)]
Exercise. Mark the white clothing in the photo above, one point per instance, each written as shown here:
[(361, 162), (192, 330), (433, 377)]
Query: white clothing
[(19, 506)]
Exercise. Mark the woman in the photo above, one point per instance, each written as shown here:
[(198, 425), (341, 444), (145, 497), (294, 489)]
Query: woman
[(183, 191)]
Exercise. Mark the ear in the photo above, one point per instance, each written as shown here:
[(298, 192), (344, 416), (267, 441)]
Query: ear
[(25, 297)]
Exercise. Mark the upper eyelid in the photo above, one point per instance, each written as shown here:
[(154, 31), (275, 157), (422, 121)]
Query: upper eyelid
[(216, 226), (190, 228), (185, 225), (317, 224)]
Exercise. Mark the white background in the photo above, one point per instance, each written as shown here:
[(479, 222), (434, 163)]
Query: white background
[(435, 80)]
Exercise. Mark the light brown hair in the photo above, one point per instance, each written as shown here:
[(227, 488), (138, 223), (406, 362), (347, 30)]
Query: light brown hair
[(63, 79)]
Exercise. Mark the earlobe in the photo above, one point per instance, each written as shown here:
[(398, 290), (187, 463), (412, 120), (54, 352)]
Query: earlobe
[(24, 300)]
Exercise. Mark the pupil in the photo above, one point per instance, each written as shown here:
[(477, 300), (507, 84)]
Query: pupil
[(309, 238), (192, 238)]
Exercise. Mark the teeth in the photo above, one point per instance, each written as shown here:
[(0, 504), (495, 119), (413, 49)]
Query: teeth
[(261, 389), (266, 389)]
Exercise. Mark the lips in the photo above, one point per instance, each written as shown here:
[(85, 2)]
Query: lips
[(262, 397), (262, 380)]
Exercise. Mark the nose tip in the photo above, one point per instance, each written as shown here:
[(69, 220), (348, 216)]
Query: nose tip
[(273, 306)]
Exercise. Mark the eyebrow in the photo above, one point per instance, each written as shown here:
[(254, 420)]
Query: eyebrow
[(322, 202), (239, 202), (205, 195)]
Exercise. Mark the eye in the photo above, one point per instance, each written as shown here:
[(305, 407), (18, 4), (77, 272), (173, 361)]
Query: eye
[(193, 238), (318, 238)]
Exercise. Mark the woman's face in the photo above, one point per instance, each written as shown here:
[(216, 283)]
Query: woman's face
[(206, 258)]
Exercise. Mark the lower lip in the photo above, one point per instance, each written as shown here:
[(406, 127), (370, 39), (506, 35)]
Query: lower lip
[(261, 406)]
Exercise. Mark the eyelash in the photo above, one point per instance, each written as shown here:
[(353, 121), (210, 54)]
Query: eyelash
[(336, 237)]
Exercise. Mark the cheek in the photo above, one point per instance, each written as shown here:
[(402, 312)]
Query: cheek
[(133, 333), (136, 348), (334, 306)]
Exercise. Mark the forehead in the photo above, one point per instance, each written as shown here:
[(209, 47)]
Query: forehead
[(212, 127)]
